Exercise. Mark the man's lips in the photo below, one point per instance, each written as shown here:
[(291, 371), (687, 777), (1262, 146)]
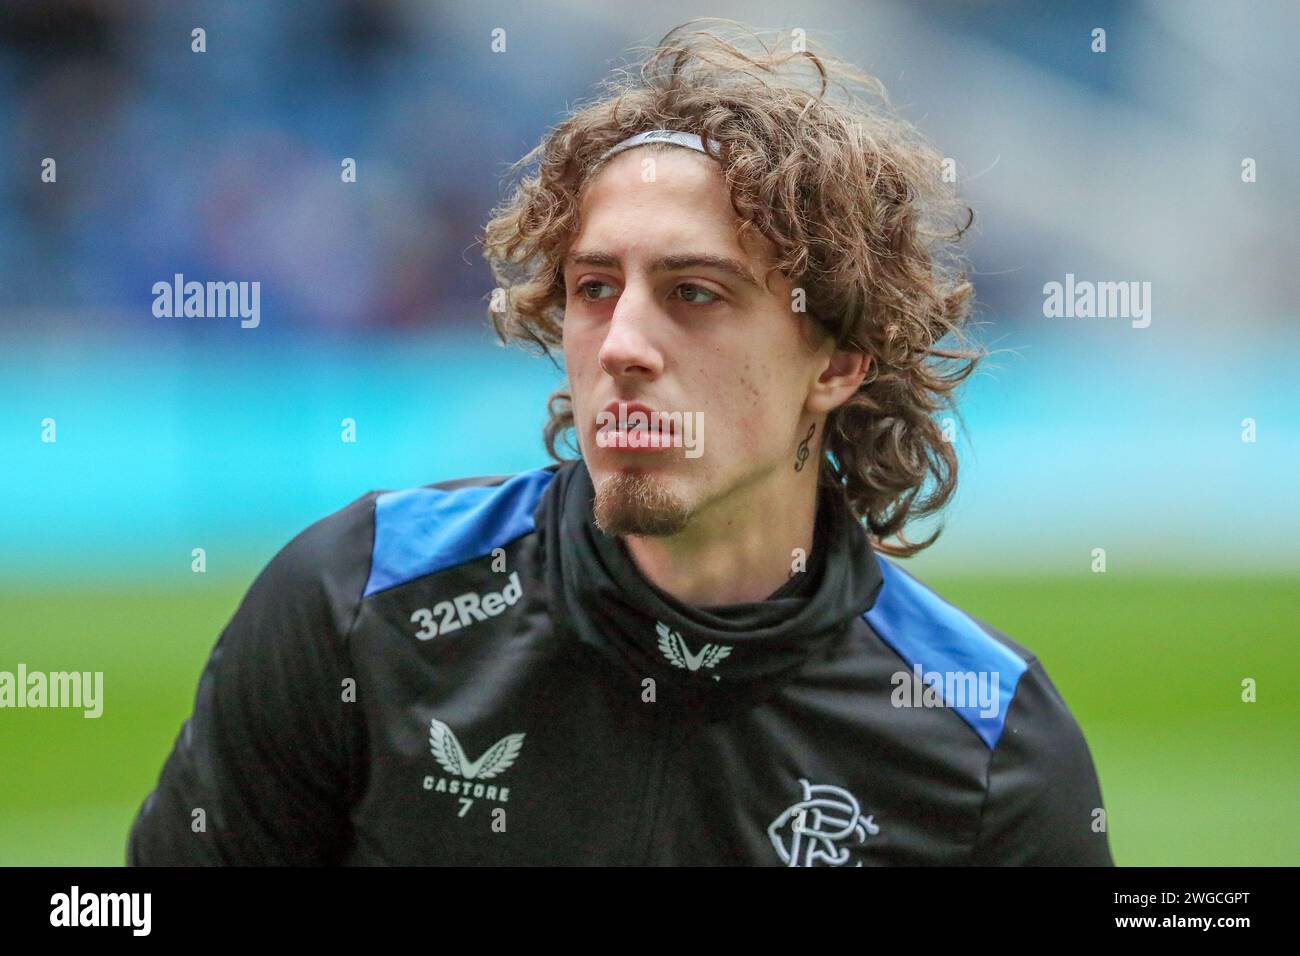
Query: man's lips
[(617, 428), (634, 440)]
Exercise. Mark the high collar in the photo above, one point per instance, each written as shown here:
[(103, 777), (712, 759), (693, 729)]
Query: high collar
[(701, 656)]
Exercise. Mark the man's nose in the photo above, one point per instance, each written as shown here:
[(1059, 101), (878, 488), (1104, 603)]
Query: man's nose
[(628, 348)]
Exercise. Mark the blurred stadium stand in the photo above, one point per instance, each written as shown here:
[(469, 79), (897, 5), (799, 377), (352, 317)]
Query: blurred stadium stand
[(225, 165)]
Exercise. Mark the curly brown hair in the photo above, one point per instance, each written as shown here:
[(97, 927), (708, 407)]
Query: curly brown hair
[(854, 201)]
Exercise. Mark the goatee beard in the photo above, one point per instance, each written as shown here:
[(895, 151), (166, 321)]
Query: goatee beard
[(637, 503)]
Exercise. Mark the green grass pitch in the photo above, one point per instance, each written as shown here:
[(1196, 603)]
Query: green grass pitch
[(1152, 668)]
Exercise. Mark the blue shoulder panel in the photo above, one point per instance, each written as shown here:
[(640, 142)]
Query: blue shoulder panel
[(926, 630), (422, 530)]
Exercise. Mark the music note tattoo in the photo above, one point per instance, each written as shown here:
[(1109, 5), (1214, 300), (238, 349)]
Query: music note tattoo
[(802, 453)]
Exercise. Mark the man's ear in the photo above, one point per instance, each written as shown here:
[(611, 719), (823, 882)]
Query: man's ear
[(844, 373)]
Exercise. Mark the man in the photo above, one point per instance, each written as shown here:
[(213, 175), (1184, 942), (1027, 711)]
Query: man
[(683, 647)]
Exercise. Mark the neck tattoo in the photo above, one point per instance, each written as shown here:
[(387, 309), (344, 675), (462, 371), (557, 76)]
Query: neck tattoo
[(801, 455)]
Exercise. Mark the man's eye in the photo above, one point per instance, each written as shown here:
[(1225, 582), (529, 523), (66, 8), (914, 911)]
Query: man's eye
[(690, 290), (583, 289)]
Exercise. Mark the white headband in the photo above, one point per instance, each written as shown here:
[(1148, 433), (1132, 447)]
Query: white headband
[(689, 140)]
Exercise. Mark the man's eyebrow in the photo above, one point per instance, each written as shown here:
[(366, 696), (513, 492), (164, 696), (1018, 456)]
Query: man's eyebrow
[(671, 263)]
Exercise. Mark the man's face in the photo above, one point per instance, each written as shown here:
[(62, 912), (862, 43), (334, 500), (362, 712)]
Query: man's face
[(646, 321)]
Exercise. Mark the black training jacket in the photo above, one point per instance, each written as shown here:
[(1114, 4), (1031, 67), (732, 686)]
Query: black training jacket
[(471, 673)]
